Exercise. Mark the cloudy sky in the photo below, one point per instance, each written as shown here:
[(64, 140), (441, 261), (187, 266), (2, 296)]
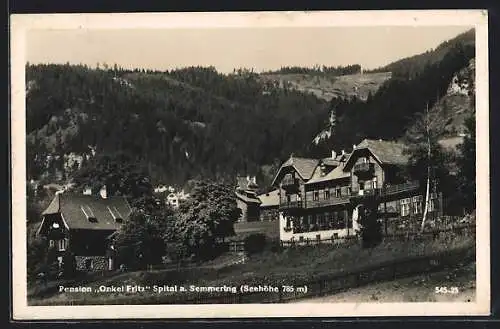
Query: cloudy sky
[(229, 48)]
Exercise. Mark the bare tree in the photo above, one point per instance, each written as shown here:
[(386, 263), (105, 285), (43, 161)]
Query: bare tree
[(427, 130)]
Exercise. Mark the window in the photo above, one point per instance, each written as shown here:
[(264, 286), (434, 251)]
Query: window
[(288, 199), (318, 236), (324, 219), (405, 207), (349, 190), (51, 243), (432, 205), (320, 221), (326, 194), (315, 196), (374, 183), (337, 192), (115, 214), (61, 245), (417, 204)]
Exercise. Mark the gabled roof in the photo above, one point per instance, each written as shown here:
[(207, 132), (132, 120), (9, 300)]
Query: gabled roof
[(386, 152), (304, 167), (247, 198), (336, 173), (70, 206), (269, 199)]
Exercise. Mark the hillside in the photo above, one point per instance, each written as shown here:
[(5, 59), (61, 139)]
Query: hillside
[(395, 106), (196, 122), (329, 86), (411, 67), (181, 124)]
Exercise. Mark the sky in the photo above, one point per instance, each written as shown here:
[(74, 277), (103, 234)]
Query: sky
[(260, 49)]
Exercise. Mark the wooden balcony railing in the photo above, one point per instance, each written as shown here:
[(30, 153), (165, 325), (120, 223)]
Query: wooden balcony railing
[(291, 205), (288, 182), (388, 190), (332, 201), (363, 167), (400, 188)]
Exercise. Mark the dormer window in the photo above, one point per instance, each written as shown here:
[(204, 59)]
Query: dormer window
[(89, 214), (115, 214)]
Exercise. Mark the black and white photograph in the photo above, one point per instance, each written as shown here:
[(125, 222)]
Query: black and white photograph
[(250, 164)]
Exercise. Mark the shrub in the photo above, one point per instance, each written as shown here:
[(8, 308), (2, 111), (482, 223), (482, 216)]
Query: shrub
[(255, 243)]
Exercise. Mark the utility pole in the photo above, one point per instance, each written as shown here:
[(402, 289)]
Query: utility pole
[(424, 217)]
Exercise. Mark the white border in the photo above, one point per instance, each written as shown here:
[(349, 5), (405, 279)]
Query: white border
[(22, 23)]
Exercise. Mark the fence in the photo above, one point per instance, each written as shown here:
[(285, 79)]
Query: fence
[(400, 236), (325, 285)]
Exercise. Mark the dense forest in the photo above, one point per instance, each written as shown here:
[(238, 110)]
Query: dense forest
[(182, 124), (195, 122), (319, 70)]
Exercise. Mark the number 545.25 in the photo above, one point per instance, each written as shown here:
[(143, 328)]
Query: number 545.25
[(446, 290)]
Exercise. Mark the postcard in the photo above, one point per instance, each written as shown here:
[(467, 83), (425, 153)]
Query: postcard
[(250, 164)]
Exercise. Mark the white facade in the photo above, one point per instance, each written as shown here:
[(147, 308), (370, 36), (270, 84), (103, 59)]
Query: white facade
[(313, 235)]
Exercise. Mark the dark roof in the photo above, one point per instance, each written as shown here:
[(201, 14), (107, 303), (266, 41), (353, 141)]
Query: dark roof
[(247, 198), (386, 152), (304, 166), (70, 206), (269, 199)]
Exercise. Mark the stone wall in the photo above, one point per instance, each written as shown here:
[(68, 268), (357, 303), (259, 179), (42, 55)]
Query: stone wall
[(92, 263)]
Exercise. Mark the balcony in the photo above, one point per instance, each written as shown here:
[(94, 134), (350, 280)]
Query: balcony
[(328, 202), (363, 168), (289, 182), (388, 191), (292, 205), (401, 188)]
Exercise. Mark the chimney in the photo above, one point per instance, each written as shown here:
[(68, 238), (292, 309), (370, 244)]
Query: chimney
[(343, 152), (87, 191), (334, 154), (353, 147), (103, 192)]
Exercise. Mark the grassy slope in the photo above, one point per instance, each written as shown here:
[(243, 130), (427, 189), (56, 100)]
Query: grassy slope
[(328, 87), (267, 268)]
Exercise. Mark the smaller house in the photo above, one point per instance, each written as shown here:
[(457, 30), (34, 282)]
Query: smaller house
[(269, 205), (176, 198), (81, 224), (247, 200)]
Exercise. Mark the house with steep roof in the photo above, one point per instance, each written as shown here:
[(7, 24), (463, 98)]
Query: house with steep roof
[(269, 204), (246, 199), (81, 224), (319, 198)]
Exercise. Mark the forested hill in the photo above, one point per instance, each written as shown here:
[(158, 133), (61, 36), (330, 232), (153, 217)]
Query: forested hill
[(181, 124), (393, 108), (195, 122), (411, 67)]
